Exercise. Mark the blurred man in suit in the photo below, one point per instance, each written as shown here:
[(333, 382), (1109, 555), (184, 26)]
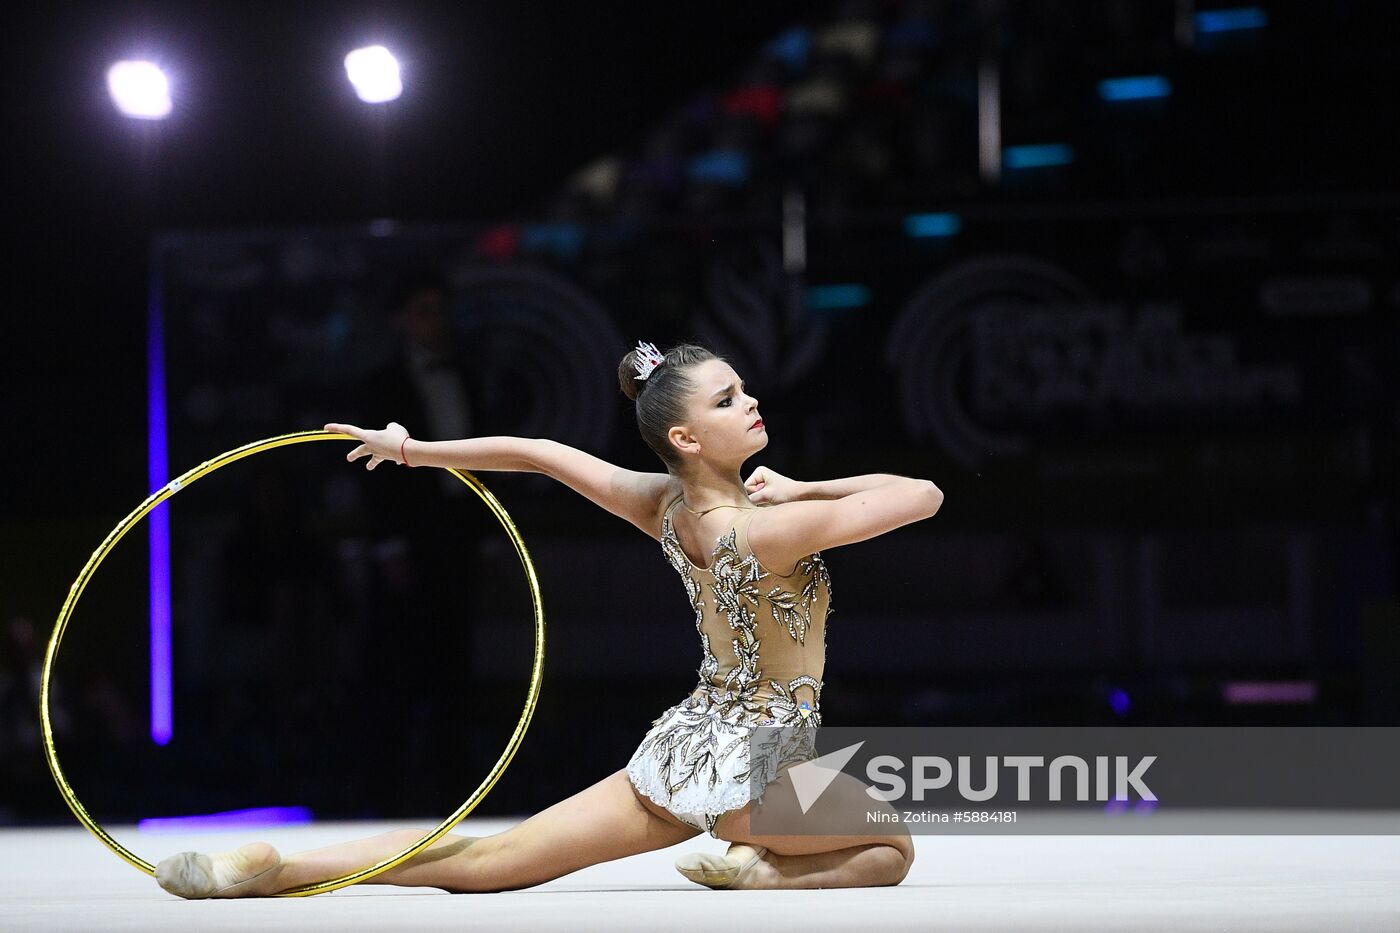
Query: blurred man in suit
[(426, 530)]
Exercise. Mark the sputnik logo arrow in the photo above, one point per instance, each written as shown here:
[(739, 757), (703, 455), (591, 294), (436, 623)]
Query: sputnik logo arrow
[(811, 778)]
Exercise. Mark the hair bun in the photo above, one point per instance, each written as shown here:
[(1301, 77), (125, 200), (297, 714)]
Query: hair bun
[(627, 376), (663, 396)]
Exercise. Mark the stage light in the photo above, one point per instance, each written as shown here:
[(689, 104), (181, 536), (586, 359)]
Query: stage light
[(374, 72), (158, 522), (213, 822), (563, 240), (835, 297), (1040, 156), (793, 47), (139, 89), (932, 225), (1231, 20), (1135, 87), (722, 166), (1264, 691)]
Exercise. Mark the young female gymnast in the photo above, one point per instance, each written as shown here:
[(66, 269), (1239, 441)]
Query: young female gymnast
[(763, 635)]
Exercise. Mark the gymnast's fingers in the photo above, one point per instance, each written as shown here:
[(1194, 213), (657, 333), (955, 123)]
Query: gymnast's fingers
[(357, 453), (345, 429)]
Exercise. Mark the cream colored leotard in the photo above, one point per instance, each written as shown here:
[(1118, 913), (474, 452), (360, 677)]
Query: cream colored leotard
[(763, 638)]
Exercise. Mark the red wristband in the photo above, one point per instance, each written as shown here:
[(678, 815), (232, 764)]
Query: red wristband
[(403, 458)]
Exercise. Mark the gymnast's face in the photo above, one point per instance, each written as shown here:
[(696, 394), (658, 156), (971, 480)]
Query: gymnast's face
[(724, 425)]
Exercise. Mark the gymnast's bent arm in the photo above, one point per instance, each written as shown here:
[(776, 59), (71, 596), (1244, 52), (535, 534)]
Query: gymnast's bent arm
[(628, 494), (815, 516)]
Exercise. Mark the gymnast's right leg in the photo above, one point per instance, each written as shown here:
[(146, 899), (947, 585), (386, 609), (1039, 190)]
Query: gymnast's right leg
[(604, 822)]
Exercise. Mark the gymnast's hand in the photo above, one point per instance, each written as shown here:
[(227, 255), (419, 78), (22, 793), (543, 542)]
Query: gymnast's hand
[(377, 445), (769, 487)]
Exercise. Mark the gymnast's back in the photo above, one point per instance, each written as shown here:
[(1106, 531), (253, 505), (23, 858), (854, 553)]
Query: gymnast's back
[(763, 648), (763, 635)]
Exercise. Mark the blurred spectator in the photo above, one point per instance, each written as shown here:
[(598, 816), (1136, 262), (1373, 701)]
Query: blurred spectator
[(278, 576), (24, 783), (428, 385), (426, 532)]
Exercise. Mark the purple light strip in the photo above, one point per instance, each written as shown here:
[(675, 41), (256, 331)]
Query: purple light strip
[(1118, 805), (157, 474), (1264, 691), (257, 816)]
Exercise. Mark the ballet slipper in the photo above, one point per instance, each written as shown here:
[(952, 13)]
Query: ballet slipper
[(195, 876), (717, 871)]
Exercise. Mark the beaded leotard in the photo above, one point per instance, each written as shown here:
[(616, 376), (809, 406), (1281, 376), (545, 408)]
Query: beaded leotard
[(763, 642)]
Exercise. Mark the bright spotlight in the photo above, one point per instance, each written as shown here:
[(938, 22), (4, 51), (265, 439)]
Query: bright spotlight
[(374, 73), (139, 89)]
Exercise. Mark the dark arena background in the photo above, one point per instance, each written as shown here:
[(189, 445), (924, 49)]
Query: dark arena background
[(1122, 278)]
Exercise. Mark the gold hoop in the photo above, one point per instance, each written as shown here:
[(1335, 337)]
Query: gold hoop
[(186, 479)]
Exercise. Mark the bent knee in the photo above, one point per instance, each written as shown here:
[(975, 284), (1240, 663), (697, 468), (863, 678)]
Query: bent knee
[(900, 850), (906, 863), (904, 843), (896, 864)]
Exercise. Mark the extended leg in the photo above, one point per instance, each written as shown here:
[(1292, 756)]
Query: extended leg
[(604, 822)]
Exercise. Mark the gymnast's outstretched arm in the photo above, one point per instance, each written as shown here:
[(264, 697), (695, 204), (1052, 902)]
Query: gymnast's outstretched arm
[(634, 496)]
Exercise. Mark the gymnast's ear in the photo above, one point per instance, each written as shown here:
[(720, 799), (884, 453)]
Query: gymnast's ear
[(683, 441)]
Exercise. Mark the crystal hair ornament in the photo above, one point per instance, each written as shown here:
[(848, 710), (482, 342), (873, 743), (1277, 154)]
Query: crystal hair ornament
[(648, 358)]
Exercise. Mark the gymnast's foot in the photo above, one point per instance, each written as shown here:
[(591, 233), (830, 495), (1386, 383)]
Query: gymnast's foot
[(741, 867), (194, 875)]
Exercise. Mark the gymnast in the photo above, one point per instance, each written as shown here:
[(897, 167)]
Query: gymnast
[(762, 635)]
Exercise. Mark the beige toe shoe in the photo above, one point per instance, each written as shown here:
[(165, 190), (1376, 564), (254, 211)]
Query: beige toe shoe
[(188, 875), (716, 871)]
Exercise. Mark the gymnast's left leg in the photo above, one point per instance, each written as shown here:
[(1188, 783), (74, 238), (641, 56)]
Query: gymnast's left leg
[(771, 861), (604, 822)]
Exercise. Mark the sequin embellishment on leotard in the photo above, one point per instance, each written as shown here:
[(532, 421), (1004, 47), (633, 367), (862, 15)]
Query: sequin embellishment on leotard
[(763, 641)]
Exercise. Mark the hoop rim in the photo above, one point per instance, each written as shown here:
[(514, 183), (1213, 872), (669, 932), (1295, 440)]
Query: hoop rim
[(189, 477)]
